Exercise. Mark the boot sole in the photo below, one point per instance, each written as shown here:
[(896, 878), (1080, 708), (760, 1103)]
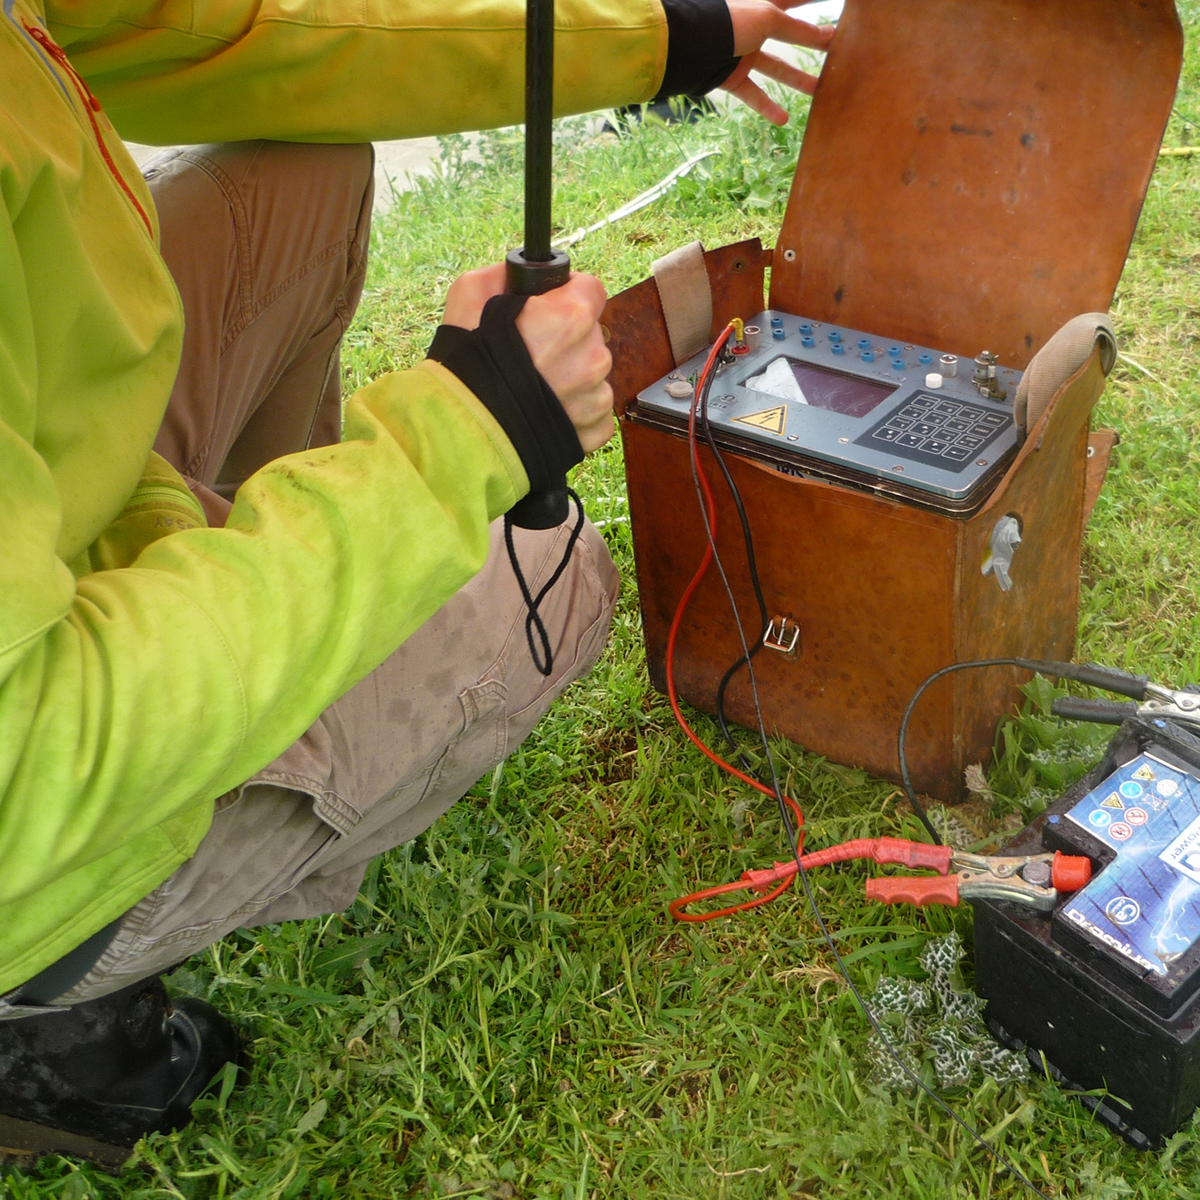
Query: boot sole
[(23, 1143)]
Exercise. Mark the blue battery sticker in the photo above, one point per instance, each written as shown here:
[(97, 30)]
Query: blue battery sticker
[(1145, 904)]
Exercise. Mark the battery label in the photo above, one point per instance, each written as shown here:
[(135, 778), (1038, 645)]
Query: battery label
[(1145, 905)]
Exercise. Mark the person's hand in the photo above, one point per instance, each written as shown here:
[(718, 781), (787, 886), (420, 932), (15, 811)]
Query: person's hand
[(758, 21), (561, 331)]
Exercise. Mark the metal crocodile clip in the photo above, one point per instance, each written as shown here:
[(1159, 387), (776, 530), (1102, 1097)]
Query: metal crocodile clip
[(1179, 706), (1034, 880)]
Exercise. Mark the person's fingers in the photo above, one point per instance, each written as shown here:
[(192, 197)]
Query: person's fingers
[(564, 339), (784, 72), (595, 437), (470, 292), (740, 73), (595, 433), (591, 289), (562, 333), (756, 21), (751, 95), (796, 32)]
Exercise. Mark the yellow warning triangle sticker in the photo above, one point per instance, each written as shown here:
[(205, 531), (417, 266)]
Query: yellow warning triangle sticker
[(1113, 801), (1144, 772), (773, 420)]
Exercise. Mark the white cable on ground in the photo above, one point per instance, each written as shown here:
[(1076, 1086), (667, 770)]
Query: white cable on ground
[(660, 189)]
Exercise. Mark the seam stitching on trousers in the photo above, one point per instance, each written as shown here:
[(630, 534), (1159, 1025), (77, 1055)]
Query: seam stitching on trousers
[(335, 358), (241, 233), (329, 805), (264, 302)]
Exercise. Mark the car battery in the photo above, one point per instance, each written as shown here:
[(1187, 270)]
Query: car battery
[(1103, 992)]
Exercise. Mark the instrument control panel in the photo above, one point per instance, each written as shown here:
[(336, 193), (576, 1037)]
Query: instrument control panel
[(863, 411)]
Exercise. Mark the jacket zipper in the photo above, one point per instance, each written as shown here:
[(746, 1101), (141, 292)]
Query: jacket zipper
[(91, 106), (146, 493)]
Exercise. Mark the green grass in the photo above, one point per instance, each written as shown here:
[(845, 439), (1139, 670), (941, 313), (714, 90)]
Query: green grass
[(519, 1016)]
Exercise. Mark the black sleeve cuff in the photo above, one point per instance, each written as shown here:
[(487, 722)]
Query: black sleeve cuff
[(699, 47), (493, 362)]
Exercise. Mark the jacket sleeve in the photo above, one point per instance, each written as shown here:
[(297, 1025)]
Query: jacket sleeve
[(346, 70), (330, 558)]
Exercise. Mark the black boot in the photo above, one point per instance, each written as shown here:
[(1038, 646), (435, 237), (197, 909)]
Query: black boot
[(91, 1081)]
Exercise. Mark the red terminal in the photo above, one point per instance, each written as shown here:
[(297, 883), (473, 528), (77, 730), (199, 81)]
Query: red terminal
[(1070, 872), (739, 348)]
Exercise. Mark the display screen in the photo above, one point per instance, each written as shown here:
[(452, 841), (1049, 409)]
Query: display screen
[(819, 387)]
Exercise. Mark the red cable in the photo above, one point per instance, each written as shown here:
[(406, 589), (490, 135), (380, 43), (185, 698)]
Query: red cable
[(881, 850), (710, 505), (91, 106)]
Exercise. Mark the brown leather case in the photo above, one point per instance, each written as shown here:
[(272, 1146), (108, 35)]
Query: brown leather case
[(971, 177)]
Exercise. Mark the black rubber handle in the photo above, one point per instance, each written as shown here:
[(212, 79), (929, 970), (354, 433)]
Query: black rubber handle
[(1099, 712), (1109, 679), (549, 508), (536, 267)]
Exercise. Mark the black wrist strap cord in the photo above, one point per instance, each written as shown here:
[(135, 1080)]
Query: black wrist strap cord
[(543, 658)]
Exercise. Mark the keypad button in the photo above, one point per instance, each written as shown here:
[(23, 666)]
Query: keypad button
[(887, 434), (982, 430), (911, 410), (995, 420), (912, 440), (924, 428), (956, 425), (947, 409), (922, 402), (935, 446), (957, 453), (900, 423), (969, 442)]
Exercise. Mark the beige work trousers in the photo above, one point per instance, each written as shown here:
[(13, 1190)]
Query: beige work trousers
[(268, 243)]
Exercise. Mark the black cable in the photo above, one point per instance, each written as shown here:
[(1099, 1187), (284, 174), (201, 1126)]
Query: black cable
[(533, 618), (725, 681), (1108, 678), (872, 1020), (752, 563), (905, 778)]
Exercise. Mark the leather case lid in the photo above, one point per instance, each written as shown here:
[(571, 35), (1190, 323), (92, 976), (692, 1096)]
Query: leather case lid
[(973, 170)]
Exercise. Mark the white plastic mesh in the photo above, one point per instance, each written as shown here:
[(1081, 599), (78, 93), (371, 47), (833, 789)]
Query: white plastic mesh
[(939, 1021)]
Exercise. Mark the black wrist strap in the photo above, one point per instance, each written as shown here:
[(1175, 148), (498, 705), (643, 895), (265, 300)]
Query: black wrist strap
[(494, 363), (544, 661)]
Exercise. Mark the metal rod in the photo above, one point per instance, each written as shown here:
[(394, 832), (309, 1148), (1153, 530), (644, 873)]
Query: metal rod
[(539, 127)]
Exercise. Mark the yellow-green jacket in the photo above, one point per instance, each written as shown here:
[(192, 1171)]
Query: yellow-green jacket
[(141, 675)]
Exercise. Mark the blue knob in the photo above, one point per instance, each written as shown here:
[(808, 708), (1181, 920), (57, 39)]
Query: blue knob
[(776, 322), (924, 359), (805, 329), (864, 343), (898, 364), (838, 348), (834, 336), (778, 334), (807, 341), (868, 356), (894, 351)]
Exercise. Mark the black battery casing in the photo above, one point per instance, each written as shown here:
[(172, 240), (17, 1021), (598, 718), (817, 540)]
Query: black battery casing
[(1077, 1012)]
